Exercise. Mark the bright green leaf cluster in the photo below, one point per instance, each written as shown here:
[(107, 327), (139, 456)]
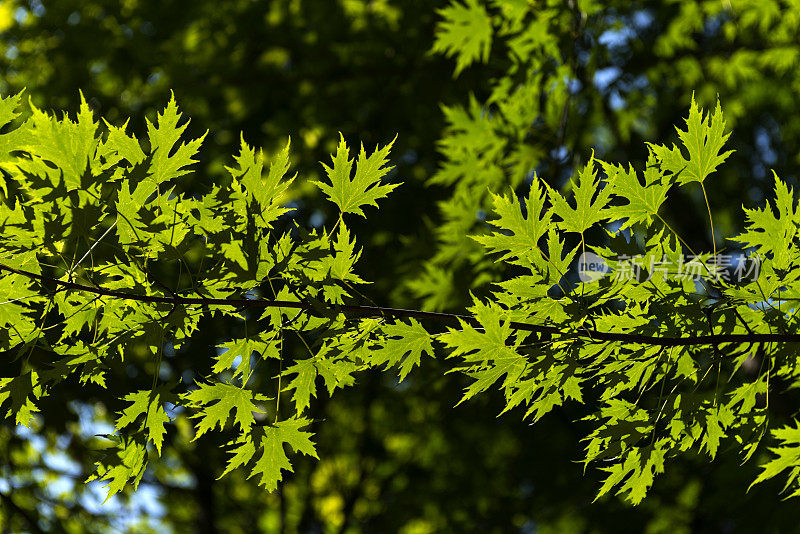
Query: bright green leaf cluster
[(87, 205), (89, 213)]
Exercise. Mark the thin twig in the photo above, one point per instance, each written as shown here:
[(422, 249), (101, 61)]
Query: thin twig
[(72, 269)]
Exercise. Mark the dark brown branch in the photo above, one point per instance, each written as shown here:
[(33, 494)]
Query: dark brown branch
[(445, 318)]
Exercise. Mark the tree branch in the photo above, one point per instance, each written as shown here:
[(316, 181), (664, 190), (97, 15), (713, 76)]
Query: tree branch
[(445, 318)]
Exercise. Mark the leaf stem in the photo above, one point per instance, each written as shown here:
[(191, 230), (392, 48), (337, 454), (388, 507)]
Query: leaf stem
[(711, 222)]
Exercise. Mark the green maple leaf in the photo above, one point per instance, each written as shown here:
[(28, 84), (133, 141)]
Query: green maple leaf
[(274, 459), (24, 261), (464, 32), (233, 251), (511, 367), (228, 352), (69, 145), (9, 140), (303, 383), (787, 456), (79, 313), (338, 265), (149, 404), (77, 354), (170, 158), (643, 464), (267, 191), (8, 112), (716, 421), (590, 201), (21, 391), (488, 343), (15, 293), (206, 221), (703, 139), (345, 256), (769, 231), (271, 442), (487, 352), (365, 188), (335, 373), (130, 227), (644, 201), (216, 401), (123, 465), (124, 146), (746, 394), (634, 466), (404, 344), (242, 451), (518, 233), (554, 264)]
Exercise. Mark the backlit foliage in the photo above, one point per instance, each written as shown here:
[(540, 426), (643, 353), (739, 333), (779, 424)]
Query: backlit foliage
[(657, 361)]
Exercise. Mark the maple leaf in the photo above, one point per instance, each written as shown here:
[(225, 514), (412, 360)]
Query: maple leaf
[(344, 258), (242, 450), (21, 391), (216, 401), (8, 140), (464, 32), (747, 393), (78, 313), (242, 349), (335, 372), (234, 252), (703, 139), (487, 353), (338, 266), (403, 344), (170, 158), (124, 146), (8, 112), (365, 188), (150, 404), (643, 200), (517, 233), (267, 191), (124, 464), (586, 211), (634, 467), (130, 227), (769, 230), (274, 459), (787, 456), (228, 352), (69, 145), (716, 421), (271, 441), (303, 383), (206, 221), (638, 471)]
